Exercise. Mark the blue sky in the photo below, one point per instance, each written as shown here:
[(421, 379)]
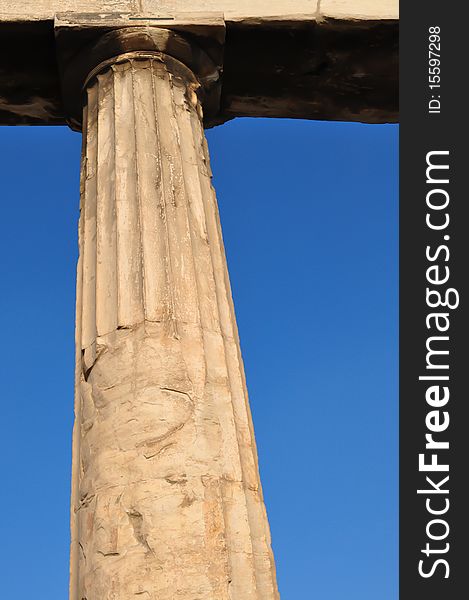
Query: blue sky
[(310, 220)]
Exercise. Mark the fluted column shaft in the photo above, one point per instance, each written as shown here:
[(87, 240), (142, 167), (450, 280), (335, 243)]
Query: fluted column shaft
[(167, 501)]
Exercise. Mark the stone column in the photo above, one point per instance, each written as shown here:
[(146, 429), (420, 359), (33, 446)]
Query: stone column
[(166, 501)]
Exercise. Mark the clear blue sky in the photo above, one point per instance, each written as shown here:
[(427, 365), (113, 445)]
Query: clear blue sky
[(309, 213)]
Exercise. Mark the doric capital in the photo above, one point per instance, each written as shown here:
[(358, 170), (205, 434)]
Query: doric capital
[(192, 45)]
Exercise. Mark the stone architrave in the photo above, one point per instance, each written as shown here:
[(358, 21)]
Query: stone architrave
[(167, 501)]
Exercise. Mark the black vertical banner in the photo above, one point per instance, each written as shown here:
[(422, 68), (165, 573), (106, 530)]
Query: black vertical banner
[(434, 274)]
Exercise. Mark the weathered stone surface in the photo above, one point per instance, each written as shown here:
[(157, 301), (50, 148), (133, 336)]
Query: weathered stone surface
[(233, 9), (83, 43), (32, 10), (167, 501), (337, 59), (329, 70), (358, 9)]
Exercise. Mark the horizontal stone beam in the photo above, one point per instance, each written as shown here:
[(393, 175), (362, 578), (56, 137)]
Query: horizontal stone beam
[(234, 10), (333, 60)]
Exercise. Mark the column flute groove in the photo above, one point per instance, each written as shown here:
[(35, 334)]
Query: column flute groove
[(166, 495), (169, 270), (260, 533), (238, 540)]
